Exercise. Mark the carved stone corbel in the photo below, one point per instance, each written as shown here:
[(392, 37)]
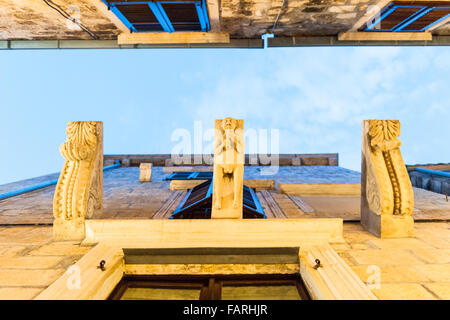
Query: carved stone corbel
[(387, 199), (228, 172), (79, 192)]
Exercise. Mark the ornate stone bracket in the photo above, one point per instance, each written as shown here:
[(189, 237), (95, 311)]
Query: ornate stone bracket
[(387, 199), (228, 174), (79, 192)]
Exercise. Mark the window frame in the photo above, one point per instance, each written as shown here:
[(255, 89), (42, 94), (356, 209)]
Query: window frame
[(158, 11), (210, 285), (257, 212)]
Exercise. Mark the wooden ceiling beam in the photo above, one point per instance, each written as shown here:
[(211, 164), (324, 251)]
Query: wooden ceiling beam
[(103, 9), (172, 38), (214, 14), (385, 36)]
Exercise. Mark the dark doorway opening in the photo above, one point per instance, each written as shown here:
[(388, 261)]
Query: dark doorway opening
[(211, 287)]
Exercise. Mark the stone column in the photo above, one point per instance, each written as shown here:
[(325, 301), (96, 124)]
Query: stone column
[(79, 192), (387, 199), (228, 174)]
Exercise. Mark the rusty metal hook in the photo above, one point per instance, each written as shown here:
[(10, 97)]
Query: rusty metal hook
[(101, 265), (318, 265)]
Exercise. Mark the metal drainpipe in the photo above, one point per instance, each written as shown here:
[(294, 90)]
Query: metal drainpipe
[(266, 36), (14, 193), (435, 172)]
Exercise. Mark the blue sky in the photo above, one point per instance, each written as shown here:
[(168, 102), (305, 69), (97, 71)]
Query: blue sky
[(315, 97)]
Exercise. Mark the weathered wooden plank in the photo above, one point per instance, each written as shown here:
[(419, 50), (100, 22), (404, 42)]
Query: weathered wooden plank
[(265, 205), (287, 206), (169, 205), (276, 210), (301, 204)]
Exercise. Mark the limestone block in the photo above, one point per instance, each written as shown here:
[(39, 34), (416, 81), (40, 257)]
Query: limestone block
[(384, 257), (32, 278), (79, 192), (387, 199), (27, 262), (145, 172), (60, 249), (440, 289), (432, 255), (18, 293), (435, 272), (9, 251), (403, 291), (391, 274), (228, 172)]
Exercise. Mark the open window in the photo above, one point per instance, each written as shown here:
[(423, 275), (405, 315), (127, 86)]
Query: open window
[(198, 200), (409, 16), (161, 16)]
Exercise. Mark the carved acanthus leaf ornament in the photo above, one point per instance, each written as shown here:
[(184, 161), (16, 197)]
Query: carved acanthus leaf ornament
[(389, 190), (383, 134), (78, 192)]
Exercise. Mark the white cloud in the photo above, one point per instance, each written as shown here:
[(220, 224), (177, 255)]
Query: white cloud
[(318, 97)]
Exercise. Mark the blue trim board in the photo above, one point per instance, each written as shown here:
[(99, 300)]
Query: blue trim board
[(255, 199), (193, 175), (198, 7), (435, 172), (382, 16), (18, 192), (210, 190), (196, 175), (206, 17), (180, 206), (411, 19), (437, 21), (258, 205), (160, 14), (386, 12), (123, 19)]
